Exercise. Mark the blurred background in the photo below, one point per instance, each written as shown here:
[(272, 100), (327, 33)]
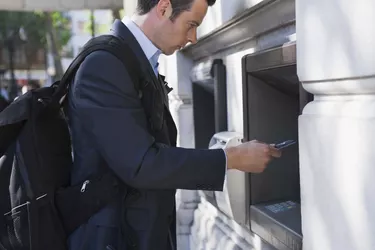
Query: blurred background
[(36, 47), (270, 70)]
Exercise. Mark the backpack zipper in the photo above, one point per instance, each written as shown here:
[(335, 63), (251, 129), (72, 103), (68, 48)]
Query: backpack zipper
[(84, 185)]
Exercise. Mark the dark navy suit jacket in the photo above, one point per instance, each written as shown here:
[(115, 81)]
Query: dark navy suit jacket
[(109, 126)]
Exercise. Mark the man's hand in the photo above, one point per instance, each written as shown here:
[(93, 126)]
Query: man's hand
[(252, 157)]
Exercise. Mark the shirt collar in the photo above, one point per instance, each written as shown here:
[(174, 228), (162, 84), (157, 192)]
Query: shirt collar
[(151, 51)]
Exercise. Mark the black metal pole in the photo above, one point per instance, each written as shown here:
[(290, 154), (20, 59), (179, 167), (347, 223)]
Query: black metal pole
[(92, 19), (220, 95), (13, 90)]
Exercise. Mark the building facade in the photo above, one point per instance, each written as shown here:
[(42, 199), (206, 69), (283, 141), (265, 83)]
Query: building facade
[(82, 32), (297, 70), (27, 67), (292, 69)]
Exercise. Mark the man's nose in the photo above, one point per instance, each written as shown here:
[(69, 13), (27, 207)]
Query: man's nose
[(193, 37)]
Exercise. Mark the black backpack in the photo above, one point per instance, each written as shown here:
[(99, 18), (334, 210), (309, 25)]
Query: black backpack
[(38, 207)]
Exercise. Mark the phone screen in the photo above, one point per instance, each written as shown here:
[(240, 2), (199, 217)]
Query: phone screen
[(285, 144)]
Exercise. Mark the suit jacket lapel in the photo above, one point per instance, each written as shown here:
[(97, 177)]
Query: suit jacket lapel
[(120, 30), (166, 89)]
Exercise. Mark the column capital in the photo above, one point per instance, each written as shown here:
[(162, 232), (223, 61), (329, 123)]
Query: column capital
[(364, 85), (335, 48)]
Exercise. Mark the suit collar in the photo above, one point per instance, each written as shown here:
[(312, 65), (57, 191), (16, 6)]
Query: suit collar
[(121, 31), (151, 51)]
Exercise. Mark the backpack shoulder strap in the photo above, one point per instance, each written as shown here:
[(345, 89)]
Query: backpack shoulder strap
[(112, 44)]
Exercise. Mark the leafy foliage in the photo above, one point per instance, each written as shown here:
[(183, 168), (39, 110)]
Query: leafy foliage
[(34, 25)]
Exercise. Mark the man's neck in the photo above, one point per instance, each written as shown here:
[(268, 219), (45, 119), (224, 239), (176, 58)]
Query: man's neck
[(146, 24)]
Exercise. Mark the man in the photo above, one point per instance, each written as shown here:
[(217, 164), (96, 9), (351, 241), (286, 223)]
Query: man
[(109, 126)]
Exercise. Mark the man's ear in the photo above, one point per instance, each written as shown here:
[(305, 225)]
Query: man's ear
[(164, 9)]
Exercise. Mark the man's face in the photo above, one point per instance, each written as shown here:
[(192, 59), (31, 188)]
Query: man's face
[(174, 35)]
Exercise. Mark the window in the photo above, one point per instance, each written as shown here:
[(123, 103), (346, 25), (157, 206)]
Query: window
[(81, 25)]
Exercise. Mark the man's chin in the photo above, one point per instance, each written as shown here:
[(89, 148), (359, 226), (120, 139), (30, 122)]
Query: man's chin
[(169, 52)]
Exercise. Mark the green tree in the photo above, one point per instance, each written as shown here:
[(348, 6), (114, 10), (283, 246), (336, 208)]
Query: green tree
[(92, 23), (116, 14), (40, 28)]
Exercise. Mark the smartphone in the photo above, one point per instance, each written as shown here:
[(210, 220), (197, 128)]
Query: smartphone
[(285, 144)]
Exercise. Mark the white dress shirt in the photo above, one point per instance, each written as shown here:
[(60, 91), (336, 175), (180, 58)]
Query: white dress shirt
[(152, 53)]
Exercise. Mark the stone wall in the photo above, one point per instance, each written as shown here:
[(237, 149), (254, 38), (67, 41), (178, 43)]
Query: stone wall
[(200, 224)]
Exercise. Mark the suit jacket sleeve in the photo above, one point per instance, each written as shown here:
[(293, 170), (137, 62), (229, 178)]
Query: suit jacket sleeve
[(107, 102)]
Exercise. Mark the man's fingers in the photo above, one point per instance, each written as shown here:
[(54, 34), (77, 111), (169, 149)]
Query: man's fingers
[(275, 152)]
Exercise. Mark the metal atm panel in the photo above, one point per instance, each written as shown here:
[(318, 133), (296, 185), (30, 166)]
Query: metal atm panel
[(273, 98), (273, 119), (233, 200), (209, 106)]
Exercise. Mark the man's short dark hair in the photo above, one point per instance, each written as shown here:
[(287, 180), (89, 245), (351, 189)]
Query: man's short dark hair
[(178, 6)]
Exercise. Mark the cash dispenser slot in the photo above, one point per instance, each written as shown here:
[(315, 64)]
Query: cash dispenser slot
[(209, 105), (273, 99)]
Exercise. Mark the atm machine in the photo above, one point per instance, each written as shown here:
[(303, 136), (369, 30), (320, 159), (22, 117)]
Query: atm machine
[(233, 200), (273, 100), (268, 204), (209, 106)]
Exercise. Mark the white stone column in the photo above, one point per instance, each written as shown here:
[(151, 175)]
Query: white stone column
[(129, 7), (336, 62), (177, 69)]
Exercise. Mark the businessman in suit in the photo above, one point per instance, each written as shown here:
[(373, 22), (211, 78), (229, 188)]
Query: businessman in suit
[(109, 126)]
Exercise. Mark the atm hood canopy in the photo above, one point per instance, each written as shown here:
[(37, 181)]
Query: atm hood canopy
[(276, 67), (59, 5)]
